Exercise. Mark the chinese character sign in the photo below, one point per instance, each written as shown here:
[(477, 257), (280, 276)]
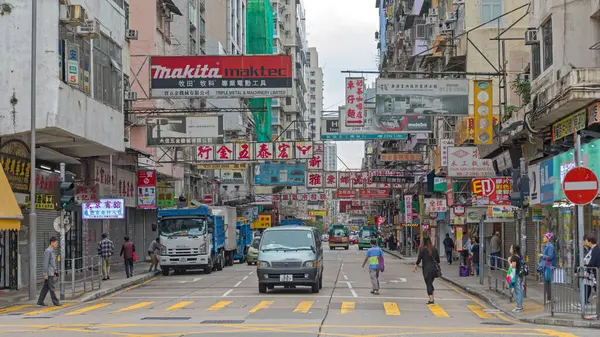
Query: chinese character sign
[(331, 180), (301, 196), (146, 189), (315, 163), (104, 209), (224, 152), (408, 208), (433, 205), (355, 91), (444, 145), (250, 151), (315, 179)]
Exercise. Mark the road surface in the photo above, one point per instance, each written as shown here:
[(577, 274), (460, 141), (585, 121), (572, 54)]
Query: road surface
[(228, 304)]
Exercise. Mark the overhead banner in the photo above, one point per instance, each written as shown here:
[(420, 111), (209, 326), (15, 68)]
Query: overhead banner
[(483, 112), (403, 157), (464, 162), (355, 101), (357, 179), (430, 97), (249, 76), (280, 174), (222, 166), (232, 176), (146, 189), (300, 196), (250, 151), (184, 130), (569, 125), (533, 171)]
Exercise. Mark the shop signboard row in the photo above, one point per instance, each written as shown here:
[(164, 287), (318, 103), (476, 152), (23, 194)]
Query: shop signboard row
[(163, 130), (358, 179), (266, 199), (361, 194), (464, 162), (251, 151)]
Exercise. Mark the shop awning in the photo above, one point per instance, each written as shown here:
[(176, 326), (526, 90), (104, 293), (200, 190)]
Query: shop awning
[(10, 212)]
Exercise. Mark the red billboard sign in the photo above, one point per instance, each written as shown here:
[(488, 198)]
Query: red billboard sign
[(373, 194), (146, 189), (491, 191), (251, 76)]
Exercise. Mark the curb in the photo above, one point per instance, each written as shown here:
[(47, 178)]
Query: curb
[(592, 324), (104, 292)]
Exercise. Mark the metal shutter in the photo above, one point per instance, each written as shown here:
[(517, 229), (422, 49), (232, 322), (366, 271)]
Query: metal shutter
[(509, 239), (531, 251), (139, 236), (94, 236), (149, 219), (45, 230)]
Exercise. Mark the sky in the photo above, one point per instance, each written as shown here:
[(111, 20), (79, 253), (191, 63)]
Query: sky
[(343, 31)]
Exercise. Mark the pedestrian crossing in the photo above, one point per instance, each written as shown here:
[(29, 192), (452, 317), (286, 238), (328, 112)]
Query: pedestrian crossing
[(388, 308)]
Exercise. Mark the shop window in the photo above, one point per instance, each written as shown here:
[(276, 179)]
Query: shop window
[(74, 50), (536, 62), (107, 72), (491, 9), (547, 43)]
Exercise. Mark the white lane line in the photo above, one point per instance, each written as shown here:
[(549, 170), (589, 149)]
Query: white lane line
[(227, 293), (345, 277), (237, 284), (252, 272), (245, 277), (351, 290)]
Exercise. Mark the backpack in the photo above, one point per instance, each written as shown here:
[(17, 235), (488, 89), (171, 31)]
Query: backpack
[(524, 268)]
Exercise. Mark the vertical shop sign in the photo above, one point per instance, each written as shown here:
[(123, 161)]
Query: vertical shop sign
[(483, 112), (146, 189), (408, 211), (547, 181), (355, 90), (166, 196)]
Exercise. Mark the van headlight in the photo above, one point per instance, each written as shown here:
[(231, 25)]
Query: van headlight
[(202, 249), (263, 264), (310, 264)]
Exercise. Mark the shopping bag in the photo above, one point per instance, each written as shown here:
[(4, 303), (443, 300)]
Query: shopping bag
[(381, 263), (511, 277), (134, 257)]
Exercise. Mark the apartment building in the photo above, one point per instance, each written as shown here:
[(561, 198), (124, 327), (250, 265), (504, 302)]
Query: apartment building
[(291, 113), (315, 93)]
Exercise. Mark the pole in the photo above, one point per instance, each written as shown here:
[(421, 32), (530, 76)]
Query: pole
[(32, 233), (481, 252), (580, 228), (523, 167), (62, 240)]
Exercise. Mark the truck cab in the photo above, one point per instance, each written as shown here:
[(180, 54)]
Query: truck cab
[(190, 238)]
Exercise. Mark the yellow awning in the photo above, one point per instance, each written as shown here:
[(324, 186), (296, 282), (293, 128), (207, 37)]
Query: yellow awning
[(10, 212)]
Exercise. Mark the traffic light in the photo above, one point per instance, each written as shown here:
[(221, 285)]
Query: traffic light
[(67, 197)]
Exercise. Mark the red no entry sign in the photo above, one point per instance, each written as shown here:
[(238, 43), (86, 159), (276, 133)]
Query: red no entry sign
[(580, 186)]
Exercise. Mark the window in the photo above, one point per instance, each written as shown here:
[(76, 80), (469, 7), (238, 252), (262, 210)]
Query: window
[(421, 31), (313, 89), (107, 72), (547, 41), (312, 73), (288, 135), (536, 68), (126, 8), (288, 118), (491, 9), (313, 82), (70, 40)]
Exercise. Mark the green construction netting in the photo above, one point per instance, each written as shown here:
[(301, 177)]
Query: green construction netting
[(259, 35)]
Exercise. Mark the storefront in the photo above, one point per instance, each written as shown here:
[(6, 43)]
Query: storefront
[(10, 224)]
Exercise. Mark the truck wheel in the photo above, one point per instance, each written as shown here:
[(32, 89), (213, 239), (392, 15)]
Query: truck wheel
[(230, 262), (321, 282), (249, 263), (315, 288), (210, 267), (221, 262), (165, 271), (262, 288), (359, 248)]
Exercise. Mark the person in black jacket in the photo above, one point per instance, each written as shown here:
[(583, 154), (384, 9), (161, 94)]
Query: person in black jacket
[(448, 248), (592, 262), (431, 260), (475, 254)]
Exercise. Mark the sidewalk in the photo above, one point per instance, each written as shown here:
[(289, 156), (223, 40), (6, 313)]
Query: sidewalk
[(117, 281), (532, 304)]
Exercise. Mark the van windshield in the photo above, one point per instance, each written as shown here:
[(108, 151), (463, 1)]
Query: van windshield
[(255, 243), (287, 240)]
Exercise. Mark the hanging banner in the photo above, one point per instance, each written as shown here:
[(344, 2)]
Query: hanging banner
[(164, 130), (355, 100), (15, 159), (444, 145), (464, 162), (299, 196), (403, 157), (408, 211), (253, 152), (146, 189), (483, 97)]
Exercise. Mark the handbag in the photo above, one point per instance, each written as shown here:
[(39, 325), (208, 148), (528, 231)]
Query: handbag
[(511, 277), (381, 263), (134, 256)]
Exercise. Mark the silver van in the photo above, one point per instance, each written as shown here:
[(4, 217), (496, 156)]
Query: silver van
[(290, 256)]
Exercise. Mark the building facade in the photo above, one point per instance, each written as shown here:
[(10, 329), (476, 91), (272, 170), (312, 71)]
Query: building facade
[(315, 93)]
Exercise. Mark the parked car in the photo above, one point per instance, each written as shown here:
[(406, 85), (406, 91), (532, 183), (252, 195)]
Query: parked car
[(325, 237), (353, 239)]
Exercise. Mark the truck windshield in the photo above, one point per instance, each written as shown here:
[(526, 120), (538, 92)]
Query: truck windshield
[(286, 240), (366, 234), (182, 227)]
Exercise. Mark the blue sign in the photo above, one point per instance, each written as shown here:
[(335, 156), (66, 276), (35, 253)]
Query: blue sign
[(547, 181), (280, 175), (360, 136)]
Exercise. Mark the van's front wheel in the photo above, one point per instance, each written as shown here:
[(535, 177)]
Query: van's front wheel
[(262, 288)]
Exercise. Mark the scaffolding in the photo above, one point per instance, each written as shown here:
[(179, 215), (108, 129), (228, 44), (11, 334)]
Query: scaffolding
[(259, 34)]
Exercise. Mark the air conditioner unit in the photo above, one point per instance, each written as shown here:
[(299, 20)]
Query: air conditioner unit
[(531, 36), (451, 16), (458, 2), (431, 20), (169, 17), (90, 29), (433, 12), (72, 14), (130, 96), (131, 34)]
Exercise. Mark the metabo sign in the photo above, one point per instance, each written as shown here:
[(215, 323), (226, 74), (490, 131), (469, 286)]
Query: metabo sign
[(256, 76)]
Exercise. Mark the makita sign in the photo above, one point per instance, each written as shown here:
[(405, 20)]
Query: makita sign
[(256, 76)]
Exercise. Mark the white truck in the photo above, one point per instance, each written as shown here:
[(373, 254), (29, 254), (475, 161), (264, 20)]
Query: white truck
[(229, 215)]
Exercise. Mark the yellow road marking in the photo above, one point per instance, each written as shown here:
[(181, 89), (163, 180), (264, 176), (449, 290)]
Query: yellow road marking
[(47, 309), (179, 305), (477, 310), (135, 306), (347, 307), (219, 305), (262, 305), (391, 308), (437, 310), (304, 306), (15, 308), (89, 308)]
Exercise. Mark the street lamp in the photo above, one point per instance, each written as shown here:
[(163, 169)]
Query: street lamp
[(32, 237)]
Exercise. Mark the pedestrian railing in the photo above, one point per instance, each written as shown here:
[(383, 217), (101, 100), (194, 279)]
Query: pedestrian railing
[(84, 274), (496, 269), (562, 295)]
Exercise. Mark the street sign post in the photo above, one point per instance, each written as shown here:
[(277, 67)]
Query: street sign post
[(580, 186)]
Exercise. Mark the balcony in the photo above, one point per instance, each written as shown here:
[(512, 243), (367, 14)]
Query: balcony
[(556, 99)]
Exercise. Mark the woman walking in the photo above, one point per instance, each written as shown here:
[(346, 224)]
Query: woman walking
[(431, 261), (546, 265), (515, 262)]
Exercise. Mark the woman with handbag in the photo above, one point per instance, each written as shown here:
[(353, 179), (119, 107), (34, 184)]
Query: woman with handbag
[(546, 265), (431, 266)]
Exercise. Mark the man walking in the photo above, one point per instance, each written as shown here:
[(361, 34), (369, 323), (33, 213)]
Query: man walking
[(50, 274), (372, 258), (106, 248), (448, 248), (127, 251), (495, 248)]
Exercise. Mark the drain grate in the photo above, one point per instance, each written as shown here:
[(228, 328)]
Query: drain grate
[(497, 323), (222, 322), (165, 318)]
